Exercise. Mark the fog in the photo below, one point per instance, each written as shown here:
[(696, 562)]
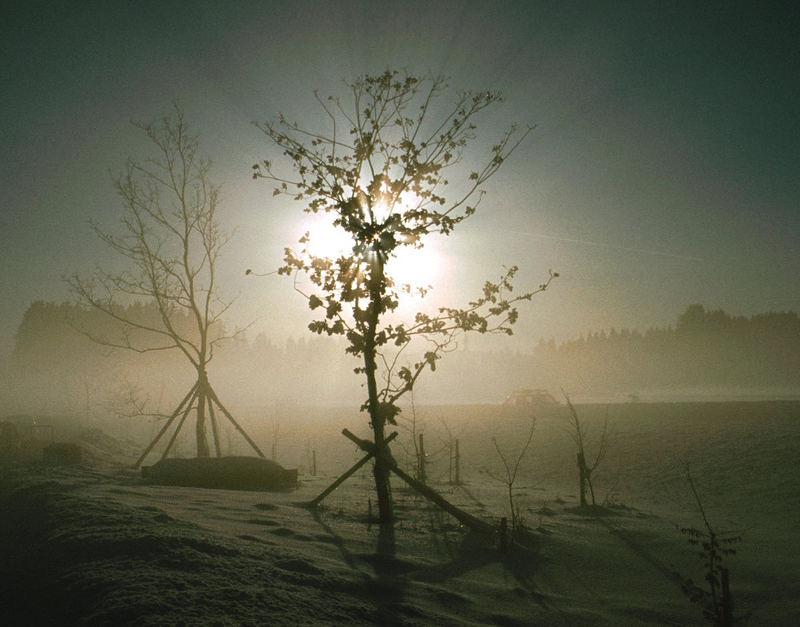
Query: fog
[(706, 355)]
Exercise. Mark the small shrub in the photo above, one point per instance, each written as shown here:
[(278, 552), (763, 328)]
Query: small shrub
[(509, 476), (714, 548), (585, 467)]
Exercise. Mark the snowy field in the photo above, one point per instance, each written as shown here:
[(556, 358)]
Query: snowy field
[(93, 545)]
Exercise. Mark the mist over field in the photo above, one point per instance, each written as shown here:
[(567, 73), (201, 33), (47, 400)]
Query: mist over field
[(95, 543), (706, 355)]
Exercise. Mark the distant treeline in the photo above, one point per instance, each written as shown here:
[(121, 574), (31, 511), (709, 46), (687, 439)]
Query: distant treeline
[(705, 348), (55, 364)]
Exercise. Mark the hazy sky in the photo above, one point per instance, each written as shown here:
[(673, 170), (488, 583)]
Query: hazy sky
[(663, 170)]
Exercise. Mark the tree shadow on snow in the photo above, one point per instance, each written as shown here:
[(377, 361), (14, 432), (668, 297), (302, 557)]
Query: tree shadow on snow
[(388, 590), (467, 551), (520, 560), (336, 539)]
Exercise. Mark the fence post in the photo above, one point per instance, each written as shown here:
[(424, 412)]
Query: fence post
[(458, 465), (450, 463), (503, 534), (421, 457), (727, 602)]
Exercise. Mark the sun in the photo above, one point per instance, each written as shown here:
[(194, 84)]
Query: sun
[(415, 267), (324, 239)]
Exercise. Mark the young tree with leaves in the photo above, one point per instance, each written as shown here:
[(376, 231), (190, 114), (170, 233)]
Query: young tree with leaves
[(171, 243), (380, 171)]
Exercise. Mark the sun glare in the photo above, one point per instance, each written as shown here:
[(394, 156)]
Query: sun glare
[(417, 267), (325, 240)]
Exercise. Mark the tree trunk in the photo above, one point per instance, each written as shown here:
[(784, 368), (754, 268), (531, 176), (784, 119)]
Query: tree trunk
[(582, 479), (476, 524), (202, 441), (381, 470), (510, 486)]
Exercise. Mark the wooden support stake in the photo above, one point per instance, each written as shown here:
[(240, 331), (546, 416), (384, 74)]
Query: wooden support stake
[(180, 426), (458, 465), (344, 477), (450, 464), (166, 426), (213, 396), (468, 520), (214, 428)]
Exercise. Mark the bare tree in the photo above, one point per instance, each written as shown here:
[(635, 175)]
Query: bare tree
[(509, 475), (131, 401), (380, 170), (585, 468), (170, 241)]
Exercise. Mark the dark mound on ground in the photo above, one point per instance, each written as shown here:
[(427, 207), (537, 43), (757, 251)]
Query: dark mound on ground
[(231, 473)]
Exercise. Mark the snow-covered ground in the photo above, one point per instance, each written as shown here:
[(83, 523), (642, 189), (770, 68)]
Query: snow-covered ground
[(94, 545)]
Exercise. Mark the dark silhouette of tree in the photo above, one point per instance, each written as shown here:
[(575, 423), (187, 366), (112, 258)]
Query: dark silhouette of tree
[(380, 171), (171, 241), (691, 320)]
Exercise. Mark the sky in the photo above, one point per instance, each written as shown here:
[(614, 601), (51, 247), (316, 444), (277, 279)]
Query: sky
[(661, 173)]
